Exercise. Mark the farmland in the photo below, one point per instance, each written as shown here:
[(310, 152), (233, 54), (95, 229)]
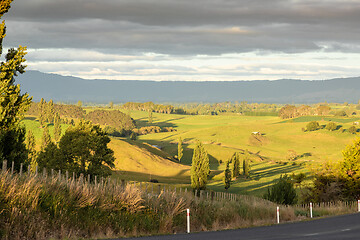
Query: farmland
[(222, 136)]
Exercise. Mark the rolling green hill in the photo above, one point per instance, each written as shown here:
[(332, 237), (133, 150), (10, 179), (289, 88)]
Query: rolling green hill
[(222, 135)]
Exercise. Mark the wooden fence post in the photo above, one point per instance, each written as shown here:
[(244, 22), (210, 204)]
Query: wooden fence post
[(4, 166), (21, 168), (12, 167)]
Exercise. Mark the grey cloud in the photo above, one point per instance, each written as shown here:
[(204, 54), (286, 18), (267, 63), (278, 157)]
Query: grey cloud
[(185, 27)]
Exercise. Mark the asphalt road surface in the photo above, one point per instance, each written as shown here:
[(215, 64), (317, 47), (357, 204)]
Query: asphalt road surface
[(340, 227)]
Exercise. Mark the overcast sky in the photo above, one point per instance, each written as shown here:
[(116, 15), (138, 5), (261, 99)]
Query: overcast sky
[(189, 39)]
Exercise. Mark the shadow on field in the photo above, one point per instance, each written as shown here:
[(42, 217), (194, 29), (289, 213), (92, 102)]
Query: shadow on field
[(145, 177), (144, 122), (270, 171)]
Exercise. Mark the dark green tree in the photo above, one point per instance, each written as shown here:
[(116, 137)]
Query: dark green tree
[(82, 149), (180, 149), (42, 112), (46, 138), (227, 176), (235, 159), (31, 148), (282, 192), (13, 104), (57, 127), (200, 169), (246, 164), (50, 112)]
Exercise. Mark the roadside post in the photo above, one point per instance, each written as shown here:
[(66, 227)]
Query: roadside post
[(278, 215), (311, 210), (358, 205), (188, 220)]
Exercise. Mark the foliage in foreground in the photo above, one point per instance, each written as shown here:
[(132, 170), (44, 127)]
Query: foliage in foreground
[(283, 192), (42, 208)]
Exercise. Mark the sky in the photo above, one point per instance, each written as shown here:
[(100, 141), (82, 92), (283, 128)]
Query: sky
[(189, 40)]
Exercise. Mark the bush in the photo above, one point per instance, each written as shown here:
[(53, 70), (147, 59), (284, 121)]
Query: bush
[(352, 129), (312, 126), (282, 192), (341, 113), (331, 126)]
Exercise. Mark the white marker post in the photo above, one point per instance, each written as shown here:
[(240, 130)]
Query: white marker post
[(278, 215), (188, 220), (358, 205), (311, 210)]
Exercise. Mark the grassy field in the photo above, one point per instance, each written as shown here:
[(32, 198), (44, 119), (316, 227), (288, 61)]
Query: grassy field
[(222, 135)]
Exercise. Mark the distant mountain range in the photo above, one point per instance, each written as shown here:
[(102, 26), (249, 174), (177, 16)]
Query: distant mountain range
[(72, 89)]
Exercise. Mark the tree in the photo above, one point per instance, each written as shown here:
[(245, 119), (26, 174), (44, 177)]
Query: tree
[(246, 164), (352, 129), (227, 176), (82, 149), (312, 126), (150, 117), (50, 112), (13, 104), (57, 127), (282, 192), (200, 169), (46, 138), (235, 159), (42, 112), (331, 126), (30, 146), (180, 149)]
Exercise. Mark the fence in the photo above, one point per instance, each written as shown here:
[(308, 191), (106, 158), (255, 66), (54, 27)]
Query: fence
[(156, 189), (145, 187)]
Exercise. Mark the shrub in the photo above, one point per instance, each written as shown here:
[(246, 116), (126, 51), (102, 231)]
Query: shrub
[(331, 126), (341, 113), (352, 129), (312, 126), (282, 192)]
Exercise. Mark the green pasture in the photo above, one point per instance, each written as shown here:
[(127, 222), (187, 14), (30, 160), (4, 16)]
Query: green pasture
[(222, 136)]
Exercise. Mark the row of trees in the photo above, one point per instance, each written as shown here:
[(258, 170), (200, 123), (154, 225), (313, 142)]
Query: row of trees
[(233, 168), (291, 111), (331, 126)]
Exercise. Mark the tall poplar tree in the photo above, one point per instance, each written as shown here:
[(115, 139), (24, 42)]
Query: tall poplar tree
[(235, 159), (42, 112), (30, 145), (50, 112), (200, 168), (57, 127), (227, 176), (180, 149), (13, 104), (46, 138), (246, 164)]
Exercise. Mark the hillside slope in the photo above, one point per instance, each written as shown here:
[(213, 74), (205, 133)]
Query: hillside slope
[(134, 162)]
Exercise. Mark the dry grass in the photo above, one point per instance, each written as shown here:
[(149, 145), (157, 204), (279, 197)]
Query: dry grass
[(42, 208)]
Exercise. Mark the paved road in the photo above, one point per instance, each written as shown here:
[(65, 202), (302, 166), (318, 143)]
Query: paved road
[(334, 228)]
